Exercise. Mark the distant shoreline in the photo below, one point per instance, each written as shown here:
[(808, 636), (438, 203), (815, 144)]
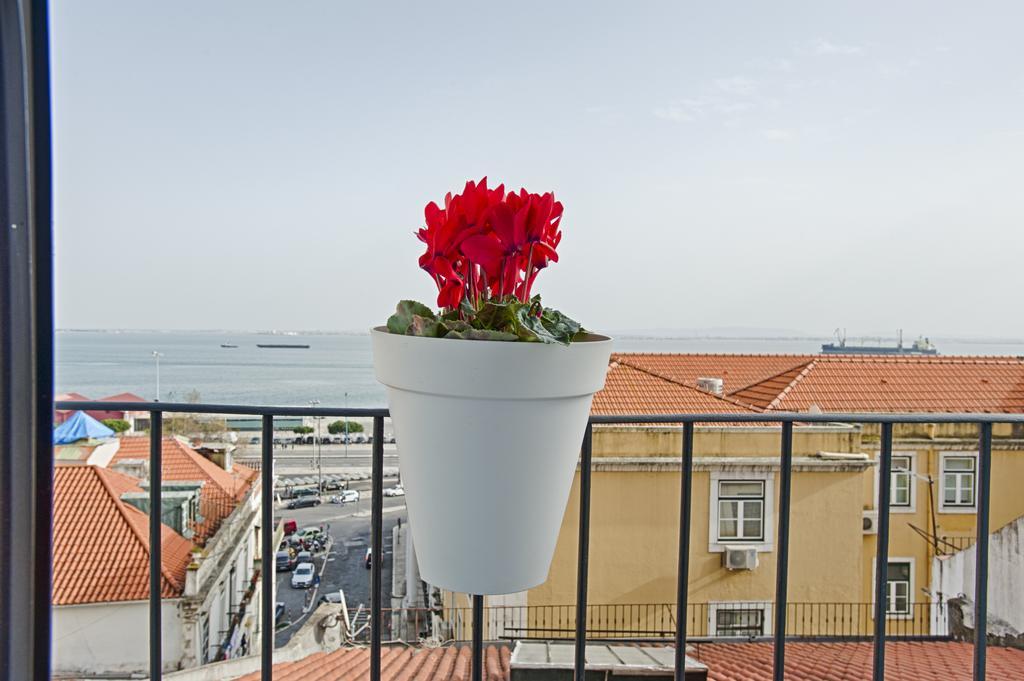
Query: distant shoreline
[(620, 335)]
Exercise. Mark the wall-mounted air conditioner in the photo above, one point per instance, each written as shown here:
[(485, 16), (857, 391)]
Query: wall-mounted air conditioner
[(739, 558), (870, 522)]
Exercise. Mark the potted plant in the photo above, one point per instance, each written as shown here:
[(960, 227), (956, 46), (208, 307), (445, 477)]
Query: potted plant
[(490, 396)]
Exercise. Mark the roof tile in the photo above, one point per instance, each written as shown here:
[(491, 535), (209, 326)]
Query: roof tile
[(101, 544)]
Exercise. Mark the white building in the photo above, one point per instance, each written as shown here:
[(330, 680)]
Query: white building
[(210, 556)]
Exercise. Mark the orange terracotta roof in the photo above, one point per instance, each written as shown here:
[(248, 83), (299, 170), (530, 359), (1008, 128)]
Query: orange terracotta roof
[(628, 390), (123, 397), (736, 371), (219, 495), (741, 661), (851, 661), (397, 664), (881, 383), (101, 544)]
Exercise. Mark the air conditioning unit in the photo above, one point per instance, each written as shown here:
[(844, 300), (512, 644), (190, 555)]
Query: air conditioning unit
[(711, 385), (739, 558), (870, 522)]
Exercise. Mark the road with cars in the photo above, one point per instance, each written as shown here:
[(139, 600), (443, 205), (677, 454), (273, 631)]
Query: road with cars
[(342, 565)]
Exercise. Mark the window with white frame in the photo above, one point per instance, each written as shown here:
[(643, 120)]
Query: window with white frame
[(902, 480), (738, 619), (958, 479), (897, 588), (740, 510)]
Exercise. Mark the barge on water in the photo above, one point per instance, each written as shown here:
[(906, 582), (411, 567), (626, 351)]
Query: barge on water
[(922, 346), (301, 346)]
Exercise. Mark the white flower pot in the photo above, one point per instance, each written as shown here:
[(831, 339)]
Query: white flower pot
[(489, 435)]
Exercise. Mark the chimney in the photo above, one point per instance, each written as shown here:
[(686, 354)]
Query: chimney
[(711, 385)]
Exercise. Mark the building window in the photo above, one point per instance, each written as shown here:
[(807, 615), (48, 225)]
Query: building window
[(897, 588), (740, 510), (738, 619), (902, 481), (204, 638), (958, 474)]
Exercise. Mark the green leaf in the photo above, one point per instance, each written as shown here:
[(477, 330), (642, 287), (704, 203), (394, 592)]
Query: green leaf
[(531, 328), (405, 311), (426, 326), (564, 328), (482, 334), (497, 317)]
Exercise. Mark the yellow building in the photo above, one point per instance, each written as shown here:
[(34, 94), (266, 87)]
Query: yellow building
[(636, 492)]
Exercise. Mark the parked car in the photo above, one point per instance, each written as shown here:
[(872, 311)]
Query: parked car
[(254, 440), (360, 438), (308, 533), (390, 439), (304, 502), (304, 557), (368, 558), (277, 441), (349, 496), (337, 441), (333, 485), (302, 577), (396, 491), (285, 561), (290, 526), (369, 439), (279, 612)]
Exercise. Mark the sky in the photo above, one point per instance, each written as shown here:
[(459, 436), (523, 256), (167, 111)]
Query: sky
[(788, 165)]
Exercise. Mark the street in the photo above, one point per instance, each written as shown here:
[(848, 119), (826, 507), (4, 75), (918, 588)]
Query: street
[(344, 567)]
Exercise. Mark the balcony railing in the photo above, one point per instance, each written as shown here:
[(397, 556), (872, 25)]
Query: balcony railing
[(648, 622), (581, 620)]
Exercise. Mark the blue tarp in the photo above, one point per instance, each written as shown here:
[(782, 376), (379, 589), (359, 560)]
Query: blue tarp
[(80, 426)]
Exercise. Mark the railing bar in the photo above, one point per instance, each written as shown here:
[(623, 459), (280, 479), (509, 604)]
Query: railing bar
[(155, 547), (606, 419), (583, 558), (377, 541), (782, 564), (882, 551), (981, 552), (478, 637), (269, 557), (683, 573)]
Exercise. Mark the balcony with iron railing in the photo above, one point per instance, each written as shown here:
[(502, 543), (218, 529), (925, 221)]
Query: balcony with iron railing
[(583, 621)]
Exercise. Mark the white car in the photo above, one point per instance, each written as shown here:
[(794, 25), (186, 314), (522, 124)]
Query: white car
[(396, 491), (302, 577)]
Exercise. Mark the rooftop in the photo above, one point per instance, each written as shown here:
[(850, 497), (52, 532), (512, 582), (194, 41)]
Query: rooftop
[(397, 664), (741, 661), (831, 383), (221, 491), (101, 544)]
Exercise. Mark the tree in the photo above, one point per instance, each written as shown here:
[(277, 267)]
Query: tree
[(302, 430), (194, 425), (117, 425), (338, 427)]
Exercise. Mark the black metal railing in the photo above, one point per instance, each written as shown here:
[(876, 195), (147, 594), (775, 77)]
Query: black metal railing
[(651, 622), (687, 421)]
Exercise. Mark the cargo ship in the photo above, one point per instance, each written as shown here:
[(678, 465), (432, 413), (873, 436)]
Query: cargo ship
[(282, 345), (922, 346)]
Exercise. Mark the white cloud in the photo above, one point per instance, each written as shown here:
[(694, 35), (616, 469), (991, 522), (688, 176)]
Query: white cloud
[(822, 46), (778, 135), (676, 113), (736, 85)]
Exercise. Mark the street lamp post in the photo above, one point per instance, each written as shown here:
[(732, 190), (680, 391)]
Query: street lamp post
[(346, 426), (157, 356), (319, 459)]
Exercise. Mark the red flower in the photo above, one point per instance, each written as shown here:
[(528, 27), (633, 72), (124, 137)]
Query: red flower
[(489, 245)]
